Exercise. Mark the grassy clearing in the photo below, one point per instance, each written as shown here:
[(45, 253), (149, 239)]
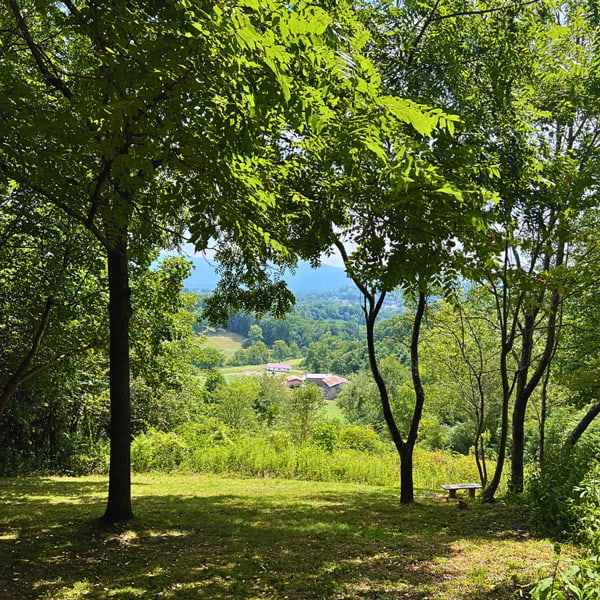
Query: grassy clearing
[(218, 538), (228, 343)]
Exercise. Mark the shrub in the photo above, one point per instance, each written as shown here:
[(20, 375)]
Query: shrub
[(208, 446), (360, 437), (432, 434), (157, 450), (325, 436), (552, 491), (88, 458), (432, 469), (582, 578)]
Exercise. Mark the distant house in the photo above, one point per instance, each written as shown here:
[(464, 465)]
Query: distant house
[(278, 368), (294, 381), (330, 384)]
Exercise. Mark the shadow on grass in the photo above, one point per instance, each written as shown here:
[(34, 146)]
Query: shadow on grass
[(303, 544)]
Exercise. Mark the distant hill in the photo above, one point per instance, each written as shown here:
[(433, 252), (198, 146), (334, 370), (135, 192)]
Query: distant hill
[(305, 279)]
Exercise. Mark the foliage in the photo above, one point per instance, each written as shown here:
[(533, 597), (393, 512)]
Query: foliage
[(235, 404), (553, 491), (579, 578), (325, 436), (360, 437), (158, 451), (352, 454), (256, 354), (301, 410), (52, 294), (302, 326)]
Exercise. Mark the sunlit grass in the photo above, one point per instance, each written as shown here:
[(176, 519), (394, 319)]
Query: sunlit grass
[(226, 342), (212, 537)]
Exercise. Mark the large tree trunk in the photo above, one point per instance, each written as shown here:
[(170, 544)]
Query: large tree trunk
[(119, 488), (407, 488)]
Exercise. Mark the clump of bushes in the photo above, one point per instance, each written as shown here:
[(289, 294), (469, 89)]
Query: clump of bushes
[(582, 577), (552, 492)]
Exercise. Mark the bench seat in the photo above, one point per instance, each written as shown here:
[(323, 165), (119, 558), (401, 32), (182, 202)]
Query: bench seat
[(452, 487)]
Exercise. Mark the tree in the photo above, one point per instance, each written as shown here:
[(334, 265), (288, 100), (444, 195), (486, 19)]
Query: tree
[(463, 346), (577, 365), (135, 119), (300, 411), (255, 334), (360, 403), (280, 350), (234, 404), (403, 226)]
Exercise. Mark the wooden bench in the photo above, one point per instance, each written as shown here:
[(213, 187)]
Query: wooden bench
[(452, 487)]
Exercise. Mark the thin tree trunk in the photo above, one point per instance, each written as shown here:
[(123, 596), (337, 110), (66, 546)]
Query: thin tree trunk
[(525, 386), (543, 415), (119, 489), (490, 491), (585, 422), (407, 495), (20, 374)]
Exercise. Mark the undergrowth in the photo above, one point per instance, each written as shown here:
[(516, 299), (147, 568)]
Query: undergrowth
[(276, 456)]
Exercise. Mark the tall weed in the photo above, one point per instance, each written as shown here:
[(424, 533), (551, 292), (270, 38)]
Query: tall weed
[(275, 455)]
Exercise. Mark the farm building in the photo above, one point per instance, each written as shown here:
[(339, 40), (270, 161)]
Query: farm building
[(330, 384), (294, 381), (278, 368)]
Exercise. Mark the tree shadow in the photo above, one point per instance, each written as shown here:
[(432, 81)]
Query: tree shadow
[(359, 545)]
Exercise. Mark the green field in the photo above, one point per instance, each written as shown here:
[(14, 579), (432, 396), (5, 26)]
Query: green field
[(228, 343), (216, 538)]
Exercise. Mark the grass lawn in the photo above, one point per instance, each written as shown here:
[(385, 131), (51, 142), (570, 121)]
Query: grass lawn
[(212, 537)]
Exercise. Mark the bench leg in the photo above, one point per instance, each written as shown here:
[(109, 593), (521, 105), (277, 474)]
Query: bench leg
[(451, 493), (471, 492)]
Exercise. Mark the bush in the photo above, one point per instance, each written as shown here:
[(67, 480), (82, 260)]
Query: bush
[(325, 436), (433, 469), (588, 511), (552, 491), (88, 458), (157, 451), (582, 578), (208, 446), (360, 437), (432, 434)]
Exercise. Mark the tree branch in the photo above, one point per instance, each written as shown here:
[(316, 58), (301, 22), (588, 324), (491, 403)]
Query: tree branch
[(40, 58)]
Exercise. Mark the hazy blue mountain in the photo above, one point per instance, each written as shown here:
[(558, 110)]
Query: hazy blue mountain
[(305, 279)]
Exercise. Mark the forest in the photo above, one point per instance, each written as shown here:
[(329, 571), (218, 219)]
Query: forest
[(446, 151)]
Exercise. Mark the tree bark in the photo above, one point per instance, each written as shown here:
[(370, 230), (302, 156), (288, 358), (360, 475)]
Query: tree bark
[(119, 489), (407, 495), (407, 488), (490, 491), (371, 308)]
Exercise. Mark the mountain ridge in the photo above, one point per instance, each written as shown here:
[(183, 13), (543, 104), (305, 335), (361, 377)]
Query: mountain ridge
[(304, 279)]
